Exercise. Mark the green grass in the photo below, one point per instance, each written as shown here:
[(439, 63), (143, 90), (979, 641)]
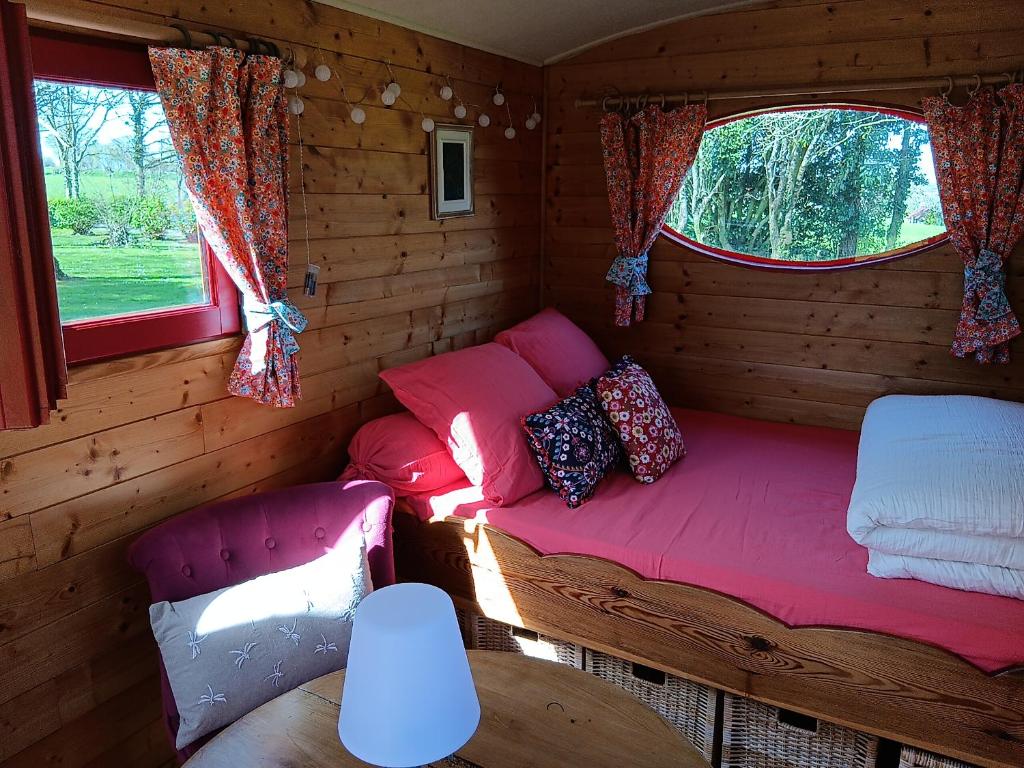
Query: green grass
[(103, 281), (98, 185), (913, 232)]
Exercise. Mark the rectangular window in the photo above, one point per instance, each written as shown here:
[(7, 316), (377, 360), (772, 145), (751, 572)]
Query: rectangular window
[(133, 272)]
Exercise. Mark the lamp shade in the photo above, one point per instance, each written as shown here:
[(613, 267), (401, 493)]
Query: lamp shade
[(409, 697)]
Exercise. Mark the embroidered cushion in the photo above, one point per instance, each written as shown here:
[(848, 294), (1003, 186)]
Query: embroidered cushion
[(574, 445), (561, 353), (228, 651), (473, 399), (402, 452), (649, 433)]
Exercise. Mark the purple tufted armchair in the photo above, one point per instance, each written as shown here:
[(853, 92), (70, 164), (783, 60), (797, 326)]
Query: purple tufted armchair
[(229, 542)]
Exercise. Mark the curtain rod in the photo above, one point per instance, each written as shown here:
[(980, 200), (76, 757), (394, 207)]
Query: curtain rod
[(65, 13), (948, 83)]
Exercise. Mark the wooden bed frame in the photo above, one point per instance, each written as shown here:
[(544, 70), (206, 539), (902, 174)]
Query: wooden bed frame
[(899, 689)]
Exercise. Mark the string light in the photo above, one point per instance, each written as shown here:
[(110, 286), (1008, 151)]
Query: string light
[(498, 98), (460, 111), (300, 78), (484, 120), (291, 80)]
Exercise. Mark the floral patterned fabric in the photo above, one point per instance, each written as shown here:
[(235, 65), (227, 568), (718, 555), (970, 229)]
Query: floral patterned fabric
[(979, 163), (229, 124), (645, 425), (646, 157), (574, 445)]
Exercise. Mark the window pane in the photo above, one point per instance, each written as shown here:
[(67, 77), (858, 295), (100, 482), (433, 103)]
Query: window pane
[(811, 185), (124, 234)]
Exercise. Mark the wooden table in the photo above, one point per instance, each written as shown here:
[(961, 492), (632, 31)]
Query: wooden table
[(535, 714)]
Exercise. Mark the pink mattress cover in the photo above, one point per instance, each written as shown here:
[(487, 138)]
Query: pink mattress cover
[(756, 510)]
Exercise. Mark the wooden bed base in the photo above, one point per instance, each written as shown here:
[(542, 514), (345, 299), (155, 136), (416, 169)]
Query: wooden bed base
[(895, 688)]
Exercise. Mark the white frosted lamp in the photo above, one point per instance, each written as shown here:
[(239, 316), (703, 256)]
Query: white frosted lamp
[(409, 697)]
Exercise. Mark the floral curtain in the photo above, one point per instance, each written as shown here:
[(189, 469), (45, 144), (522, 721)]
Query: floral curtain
[(646, 157), (229, 123), (979, 163)]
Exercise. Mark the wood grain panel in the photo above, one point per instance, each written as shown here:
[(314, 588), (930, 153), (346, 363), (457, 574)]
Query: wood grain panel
[(807, 348), (146, 437), (873, 682)]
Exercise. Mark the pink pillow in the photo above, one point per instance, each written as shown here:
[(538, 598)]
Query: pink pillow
[(473, 399), (557, 348), (399, 451)]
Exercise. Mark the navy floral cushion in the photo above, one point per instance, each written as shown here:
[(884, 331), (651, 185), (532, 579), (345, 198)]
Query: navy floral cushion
[(574, 444)]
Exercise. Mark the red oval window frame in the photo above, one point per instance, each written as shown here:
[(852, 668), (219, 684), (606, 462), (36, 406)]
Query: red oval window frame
[(766, 262)]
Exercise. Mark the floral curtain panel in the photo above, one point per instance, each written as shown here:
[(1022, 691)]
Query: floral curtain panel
[(229, 123), (646, 157), (979, 162)]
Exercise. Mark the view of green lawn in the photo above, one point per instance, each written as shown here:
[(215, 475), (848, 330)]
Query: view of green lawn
[(102, 281)]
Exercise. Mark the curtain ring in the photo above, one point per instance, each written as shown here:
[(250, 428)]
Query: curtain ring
[(686, 99), (947, 90), (185, 34), (977, 85), (706, 96), (217, 38), (604, 103), (273, 49), (663, 102)]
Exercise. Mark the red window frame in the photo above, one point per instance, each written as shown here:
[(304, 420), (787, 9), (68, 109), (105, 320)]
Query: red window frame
[(89, 61), (765, 262)]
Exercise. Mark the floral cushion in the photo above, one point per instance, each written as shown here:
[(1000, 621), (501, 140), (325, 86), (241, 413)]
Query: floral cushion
[(574, 445), (646, 427)]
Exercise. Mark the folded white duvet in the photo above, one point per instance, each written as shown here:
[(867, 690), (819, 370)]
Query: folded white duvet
[(940, 482), (990, 579)]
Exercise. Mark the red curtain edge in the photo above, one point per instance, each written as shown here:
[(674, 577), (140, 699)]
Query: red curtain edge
[(33, 375)]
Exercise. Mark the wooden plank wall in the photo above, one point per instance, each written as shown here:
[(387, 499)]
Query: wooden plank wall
[(143, 438), (789, 347)]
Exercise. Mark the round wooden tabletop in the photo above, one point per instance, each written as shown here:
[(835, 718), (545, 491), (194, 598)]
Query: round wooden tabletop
[(534, 714)]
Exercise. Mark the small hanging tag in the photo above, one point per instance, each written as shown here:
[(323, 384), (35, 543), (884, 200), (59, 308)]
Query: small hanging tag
[(312, 273)]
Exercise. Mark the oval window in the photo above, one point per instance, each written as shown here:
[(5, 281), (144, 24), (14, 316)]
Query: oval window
[(804, 187)]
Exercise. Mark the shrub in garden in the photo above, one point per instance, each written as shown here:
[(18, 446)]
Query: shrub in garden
[(118, 216), (185, 222), (153, 216), (80, 215)]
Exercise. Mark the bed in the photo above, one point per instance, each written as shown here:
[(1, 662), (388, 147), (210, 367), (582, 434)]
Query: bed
[(736, 570)]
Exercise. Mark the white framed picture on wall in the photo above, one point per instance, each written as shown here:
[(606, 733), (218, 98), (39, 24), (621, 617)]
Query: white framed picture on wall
[(451, 171)]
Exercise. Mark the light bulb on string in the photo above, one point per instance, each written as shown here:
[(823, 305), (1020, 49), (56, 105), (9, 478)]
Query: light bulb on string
[(460, 111), (358, 115), (498, 98), (395, 88), (530, 123), (510, 132), (300, 78), (290, 79), (535, 117), (427, 125), (322, 73), (295, 105), (484, 120), (388, 98), (446, 92)]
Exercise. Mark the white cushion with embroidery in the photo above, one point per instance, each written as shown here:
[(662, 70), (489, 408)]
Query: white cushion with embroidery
[(229, 651)]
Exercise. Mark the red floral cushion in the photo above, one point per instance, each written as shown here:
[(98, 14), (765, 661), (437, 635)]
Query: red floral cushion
[(642, 420)]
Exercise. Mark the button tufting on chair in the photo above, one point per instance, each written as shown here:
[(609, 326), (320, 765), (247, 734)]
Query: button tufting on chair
[(332, 512)]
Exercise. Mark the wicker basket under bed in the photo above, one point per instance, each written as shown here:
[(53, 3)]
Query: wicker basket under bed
[(919, 758), (489, 635), (688, 706), (756, 735)]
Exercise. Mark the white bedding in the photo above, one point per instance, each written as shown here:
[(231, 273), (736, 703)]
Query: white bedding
[(939, 494)]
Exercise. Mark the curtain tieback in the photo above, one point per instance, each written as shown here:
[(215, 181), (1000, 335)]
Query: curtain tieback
[(258, 316), (986, 279), (630, 272)]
